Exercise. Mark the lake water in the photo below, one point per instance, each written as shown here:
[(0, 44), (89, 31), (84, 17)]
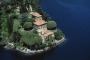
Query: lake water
[(73, 17)]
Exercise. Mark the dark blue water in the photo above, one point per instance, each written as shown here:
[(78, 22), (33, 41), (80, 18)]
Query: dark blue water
[(73, 17)]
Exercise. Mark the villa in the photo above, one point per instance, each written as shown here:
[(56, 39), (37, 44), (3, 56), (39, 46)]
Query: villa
[(41, 27)]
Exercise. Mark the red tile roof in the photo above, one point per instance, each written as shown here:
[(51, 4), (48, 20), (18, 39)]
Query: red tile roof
[(40, 22)]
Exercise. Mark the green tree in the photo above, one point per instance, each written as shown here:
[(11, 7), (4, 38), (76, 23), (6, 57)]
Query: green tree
[(58, 34), (31, 39), (35, 5), (15, 14), (50, 38), (28, 26), (51, 25), (31, 20), (4, 26), (24, 17), (15, 34), (21, 31), (16, 25)]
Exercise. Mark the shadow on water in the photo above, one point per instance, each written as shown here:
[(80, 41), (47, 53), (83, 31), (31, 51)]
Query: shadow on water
[(34, 57), (14, 55)]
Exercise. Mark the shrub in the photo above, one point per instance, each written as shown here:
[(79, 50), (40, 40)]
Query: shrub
[(51, 25), (28, 26)]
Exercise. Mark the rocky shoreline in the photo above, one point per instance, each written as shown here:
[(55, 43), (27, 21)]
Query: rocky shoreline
[(28, 52)]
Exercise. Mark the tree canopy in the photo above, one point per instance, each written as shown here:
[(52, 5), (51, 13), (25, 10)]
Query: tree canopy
[(16, 25), (28, 26), (58, 34), (31, 38), (31, 20), (51, 25)]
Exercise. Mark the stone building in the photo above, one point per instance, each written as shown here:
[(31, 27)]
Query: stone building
[(40, 24)]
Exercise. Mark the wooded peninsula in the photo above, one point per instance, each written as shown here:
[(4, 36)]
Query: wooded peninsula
[(25, 27)]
